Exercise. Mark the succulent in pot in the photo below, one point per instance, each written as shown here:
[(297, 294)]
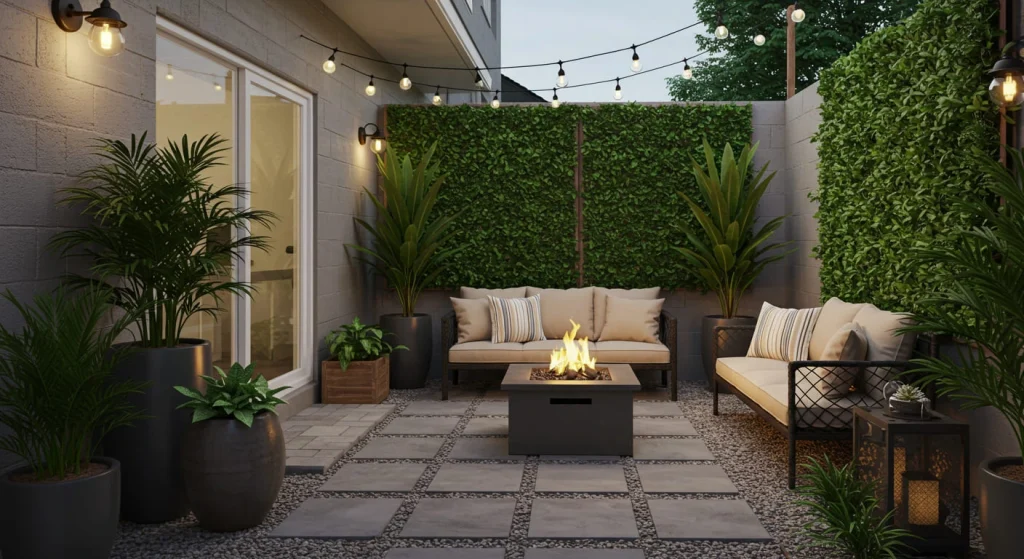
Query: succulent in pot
[(907, 401), (233, 455)]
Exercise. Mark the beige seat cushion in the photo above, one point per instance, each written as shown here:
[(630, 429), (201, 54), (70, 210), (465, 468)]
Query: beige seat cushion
[(485, 352), (631, 352), (631, 320), (600, 301), (540, 352), (884, 344), (848, 344), (835, 314), (474, 319), (479, 293), (558, 306)]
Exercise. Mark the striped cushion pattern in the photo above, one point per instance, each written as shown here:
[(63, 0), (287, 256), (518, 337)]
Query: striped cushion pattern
[(783, 334), (515, 320)]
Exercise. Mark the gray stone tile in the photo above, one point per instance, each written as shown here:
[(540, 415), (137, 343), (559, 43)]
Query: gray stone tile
[(671, 449), (487, 426), (579, 458), (485, 478), (684, 478), (421, 426), (406, 447), (706, 519), (492, 408), (338, 518), (460, 518), (656, 409), (434, 407), (584, 478), (375, 477), (446, 553), (582, 518), (492, 448), (663, 427), (567, 553)]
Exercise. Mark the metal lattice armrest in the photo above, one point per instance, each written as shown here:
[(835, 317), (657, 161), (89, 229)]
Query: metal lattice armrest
[(449, 331), (732, 341), (820, 394)]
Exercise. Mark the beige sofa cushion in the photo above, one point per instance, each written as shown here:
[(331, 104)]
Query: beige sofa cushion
[(632, 320), (631, 352), (515, 320), (558, 306), (479, 293), (540, 352), (600, 302), (835, 314), (783, 334), (848, 344), (884, 344), (485, 352), (474, 319)]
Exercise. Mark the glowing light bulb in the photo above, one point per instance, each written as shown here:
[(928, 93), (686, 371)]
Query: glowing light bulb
[(495, 103), (329, 65), (170, 73), (105, 38), (687, 71), (478, 79), (377, 145), (370, 88), (437, 100), (405, 83), (1009, 90), (721, 32), (555, 103), (636, 65), (217, 86), (561, 81), (618, 90), (759, 40), (799, 15)]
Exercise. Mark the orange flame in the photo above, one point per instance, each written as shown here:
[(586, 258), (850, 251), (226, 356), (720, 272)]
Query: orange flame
[(574, 356)]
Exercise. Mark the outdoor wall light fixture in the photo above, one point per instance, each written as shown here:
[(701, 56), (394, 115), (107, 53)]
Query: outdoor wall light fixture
[(372, 133), (1007, 87), (105, 39)]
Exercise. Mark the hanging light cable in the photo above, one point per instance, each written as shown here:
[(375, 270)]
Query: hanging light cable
[(618, 90), (798, 13), (636, 65), (561, 81), (555, 103), (495, 103), (405, 83), (437, 101), (721, 32), (371, 89), (687, 72), (478, 79), (329, 65)]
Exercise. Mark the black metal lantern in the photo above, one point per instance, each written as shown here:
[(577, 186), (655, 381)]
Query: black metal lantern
[(372, 133), (1007, 87), (105, 38)]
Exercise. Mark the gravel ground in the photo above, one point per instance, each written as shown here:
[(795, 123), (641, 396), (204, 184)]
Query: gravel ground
[(745, 446)]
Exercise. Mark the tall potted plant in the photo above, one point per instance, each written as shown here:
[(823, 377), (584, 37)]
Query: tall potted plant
[(161, 238), (982, 307), (729, 251), (409, 250), (57, 399)]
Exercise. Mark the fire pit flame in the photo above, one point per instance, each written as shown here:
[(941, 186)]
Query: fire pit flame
[(574, 356)]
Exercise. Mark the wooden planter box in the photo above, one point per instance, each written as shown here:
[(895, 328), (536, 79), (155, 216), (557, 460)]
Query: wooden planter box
[(364, 382)]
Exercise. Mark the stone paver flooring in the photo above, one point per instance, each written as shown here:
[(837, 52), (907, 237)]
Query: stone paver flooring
[(317, 436)]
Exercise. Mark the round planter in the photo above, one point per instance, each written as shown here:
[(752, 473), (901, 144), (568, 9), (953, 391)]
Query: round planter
[(150, 449), (1001, 505), (409, 368), (707, 338), (232, 472), (76, 518)]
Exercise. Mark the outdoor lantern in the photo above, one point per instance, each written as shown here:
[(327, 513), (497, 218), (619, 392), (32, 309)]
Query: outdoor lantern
[(1007, 87), (920, 469), (372, 133), (105, 38)]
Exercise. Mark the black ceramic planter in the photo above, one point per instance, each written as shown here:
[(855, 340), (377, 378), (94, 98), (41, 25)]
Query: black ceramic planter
[(707, 339), (76, 518), (1001, 505), (152, 489), (232, 472), (409, 368)]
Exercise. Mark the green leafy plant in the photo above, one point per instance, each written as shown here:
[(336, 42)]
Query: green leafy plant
[(238, 394), (359, 342), (56, 393), (409, 240), (844, 511), (732, 252), (160, 236)]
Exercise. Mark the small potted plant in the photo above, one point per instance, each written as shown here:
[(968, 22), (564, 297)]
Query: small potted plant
[(233, 455), (908, 401), (357, 372)]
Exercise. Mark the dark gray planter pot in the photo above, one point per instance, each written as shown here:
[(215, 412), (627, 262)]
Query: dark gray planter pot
[(409, 368), (1001, 505), (152, 489), (76, 518), (232, 472), (707, 340)]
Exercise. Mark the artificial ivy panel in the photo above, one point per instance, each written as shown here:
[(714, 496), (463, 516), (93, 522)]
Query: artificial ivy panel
[(900, 116)]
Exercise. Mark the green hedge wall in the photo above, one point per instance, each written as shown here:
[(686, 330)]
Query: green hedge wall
[(900, 114)]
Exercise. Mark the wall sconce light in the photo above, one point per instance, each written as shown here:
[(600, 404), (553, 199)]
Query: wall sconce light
[(1007, 87), (105, 39), (372, 133)]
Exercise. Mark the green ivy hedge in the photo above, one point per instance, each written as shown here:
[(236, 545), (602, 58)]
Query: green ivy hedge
[(900, 114)]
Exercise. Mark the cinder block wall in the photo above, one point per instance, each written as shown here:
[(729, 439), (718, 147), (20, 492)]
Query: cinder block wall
[(803, 116)]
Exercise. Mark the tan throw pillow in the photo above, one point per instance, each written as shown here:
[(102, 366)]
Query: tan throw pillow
[(601, 297), (631, 320), (515, 320), (474, 319), (835, 314), (782, 334), (850, 343), (558, 306), (884, 343), (479, 293)]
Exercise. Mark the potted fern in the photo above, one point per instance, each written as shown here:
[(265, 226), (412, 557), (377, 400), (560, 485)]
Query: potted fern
[(233, 454), (357, 372), (729, 251)]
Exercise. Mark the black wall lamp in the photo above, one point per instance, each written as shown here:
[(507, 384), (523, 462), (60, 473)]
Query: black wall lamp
[(372, 133), (1007, 87), (105, 39)]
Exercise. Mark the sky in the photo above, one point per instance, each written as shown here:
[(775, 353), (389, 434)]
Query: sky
[(535, 31)]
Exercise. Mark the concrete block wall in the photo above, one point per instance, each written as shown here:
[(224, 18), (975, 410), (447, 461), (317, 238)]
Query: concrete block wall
[(803, 116)]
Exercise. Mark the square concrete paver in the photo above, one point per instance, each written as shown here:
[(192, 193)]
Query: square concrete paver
[(445, 553), (656, 409), (484, 478), (421, 426), (338, 518), (663, 427), (582, 518), (360, 476), (586, 478), (684, 478), (397, 448), (706, 519), (487, 426), (492, 408), (492, 448), (460, 518), (434, 407), (555, 553), (671, 449)]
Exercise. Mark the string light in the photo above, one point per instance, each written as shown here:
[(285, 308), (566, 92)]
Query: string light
[(561, 81), (329, 65), (479, 80), (170, 73), (618, 90), (217, 86), (759, 39), (687, 72), (636, 65), (798, 13), (370, 88), (495, 103), (555, 103), (721, 32), (437, 101), (405, 83)]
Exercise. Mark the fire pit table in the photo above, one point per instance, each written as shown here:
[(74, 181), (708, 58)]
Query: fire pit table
[(573, 417)]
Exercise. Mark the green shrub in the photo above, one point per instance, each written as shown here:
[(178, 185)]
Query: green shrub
[(359, 342)]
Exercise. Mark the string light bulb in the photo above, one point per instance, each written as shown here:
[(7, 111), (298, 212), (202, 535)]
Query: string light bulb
[(687, 71), (479, 80), (329, 65), (437, 101), (405, 83), (798, 13), (636, 65), (371, 89), (759, 40), (495, 103), (170, 73), (561, 81), (618, 90), (555, 103), (721, 32), (217, 86)]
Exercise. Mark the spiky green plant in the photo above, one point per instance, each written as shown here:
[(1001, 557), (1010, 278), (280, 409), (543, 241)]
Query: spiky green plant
[(909, 393), (160, 235), (238, 393), (56, 393), (731, 253)]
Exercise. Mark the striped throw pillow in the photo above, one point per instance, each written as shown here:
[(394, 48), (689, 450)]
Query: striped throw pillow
[(783, 334), (515, 320)]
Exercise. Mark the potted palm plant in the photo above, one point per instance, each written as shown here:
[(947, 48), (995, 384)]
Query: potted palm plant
[(160, 237), (409, 250), (57, 398), (358, 371), (233, 453), (729, 251), (982, 307)]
